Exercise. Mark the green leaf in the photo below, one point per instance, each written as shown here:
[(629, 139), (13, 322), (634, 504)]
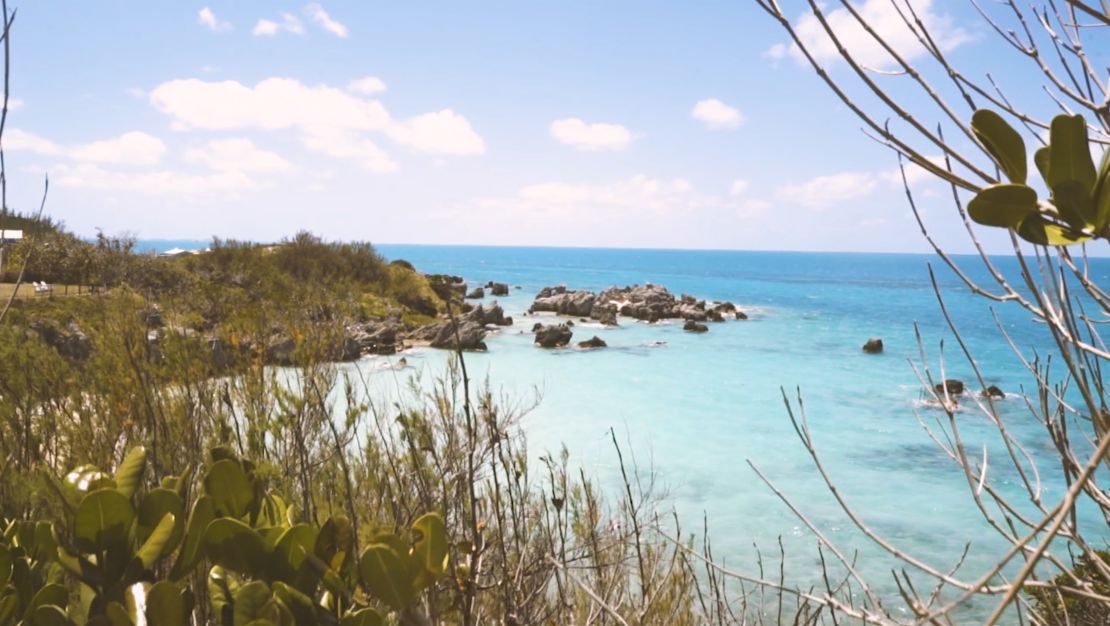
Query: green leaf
[(235, 546), (1040, 231), (1071, 153), (9, 604), (230, 488), (1002, 142), (83, 479), (154, 506), (294, 545), (129, 474), (385, 574), (5, 565), (1042, 157), (301, 606), (1102, 193), (430, 547), (102, 521), (336, 542), (365, 617), (46, 546), (1003, 205), (250, 603), (49, 595), (166, 604), (202, 514), (50, 615), (117, 615), (155, 545), (1074, 204)]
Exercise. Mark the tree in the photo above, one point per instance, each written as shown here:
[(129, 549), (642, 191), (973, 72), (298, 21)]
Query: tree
[(1053, 571)]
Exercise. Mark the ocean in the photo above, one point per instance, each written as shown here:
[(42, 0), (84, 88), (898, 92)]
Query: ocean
[(700, 409)]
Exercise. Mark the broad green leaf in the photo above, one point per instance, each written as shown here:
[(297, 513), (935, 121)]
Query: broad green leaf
[(1002, 142), (102, 520), (117, 615), (1102, 193), (1075, 204), (1003, 205), (154, 507), (166, 604), (56, 595), (9, 604), (84, 479), (221, 593), (336, 542), (250, 603), (1042, 157), (365, 617), (430, 547), (46, 546), (1071, 153), (1040, 231), (235, 546), (384, 572), (229, 487), (202, 514), (129, 474), (301, 606), (155, 545), (50, 615), (294, 545)]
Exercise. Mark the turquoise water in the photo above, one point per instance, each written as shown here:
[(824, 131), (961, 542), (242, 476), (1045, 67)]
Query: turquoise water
[(699, 408)]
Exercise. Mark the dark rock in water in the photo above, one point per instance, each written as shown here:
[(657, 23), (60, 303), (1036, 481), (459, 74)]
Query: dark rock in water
[(954, 387), (536, 327), (559, 300), (376, 337), (570, 323), (593, 342), (492, 314), (874, 345), (714, 315), (470, 335), (740, 315), (280, 350), (583, 320), (695, 327), (476, 294), (497, 289), (724, 307), (605, 313), (993, 391), (553, 336)]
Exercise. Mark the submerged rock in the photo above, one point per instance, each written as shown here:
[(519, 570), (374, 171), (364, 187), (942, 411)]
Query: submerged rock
[(593, 342), (993, 391), (497, 289), (954, 387), (695, 327), (476, 294), (874, 345)]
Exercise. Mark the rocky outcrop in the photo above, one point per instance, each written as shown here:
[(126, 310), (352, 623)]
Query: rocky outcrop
[(70, 341), (471, 335), (489, 315), (993, 391), (376, 337), (497, 289), (592, 342), (477, 294), (954, 387), (446, 286), (874, 345), (563, 302), (552, 336), (695, 327)]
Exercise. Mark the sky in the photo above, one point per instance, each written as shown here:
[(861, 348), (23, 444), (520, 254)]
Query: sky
[(645, 123)]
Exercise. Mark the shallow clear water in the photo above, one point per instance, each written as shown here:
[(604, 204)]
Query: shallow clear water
[(700, 407)]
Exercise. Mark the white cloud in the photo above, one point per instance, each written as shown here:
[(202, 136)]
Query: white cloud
[(367, 85), (131, 148), (591, 137), (738, 187), (236, 155), (443, 132), (90, 176), (915, 174), (823, 192), (884, 18), (268, 28), (15, 104), (752, 208), (317, 14), (716, 114), (636, 196), (314, 112), (337, 143), (209, 20)]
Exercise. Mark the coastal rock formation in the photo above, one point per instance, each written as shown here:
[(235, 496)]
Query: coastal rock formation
[(471, 335), (477, 294), (874, 345), (993, 391), (376, 337), (593, 342), (446, 286), (604, 313), (279, 351), (563, 302), (954, 387), (695, 327), (497, 289), (553, 336), (489, 315)]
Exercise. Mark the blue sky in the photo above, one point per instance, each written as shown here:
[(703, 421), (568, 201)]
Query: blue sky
[(622, 123)]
